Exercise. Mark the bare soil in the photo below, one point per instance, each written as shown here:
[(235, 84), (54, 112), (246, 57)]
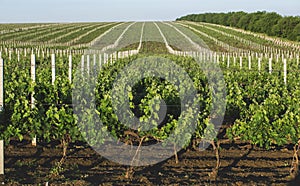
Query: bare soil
[(240, 165)]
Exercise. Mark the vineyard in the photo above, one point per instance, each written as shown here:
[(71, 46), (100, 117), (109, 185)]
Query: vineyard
[(147, 103)]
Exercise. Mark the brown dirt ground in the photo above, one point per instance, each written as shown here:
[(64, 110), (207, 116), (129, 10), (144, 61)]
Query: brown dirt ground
[(240, 165)]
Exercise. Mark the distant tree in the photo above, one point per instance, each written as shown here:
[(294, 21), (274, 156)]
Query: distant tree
[(295, 34), (217, 19), (234, 18), (255, 17), (285, 27), (271, 23), (244, 22), (276, 30), (267, 21)]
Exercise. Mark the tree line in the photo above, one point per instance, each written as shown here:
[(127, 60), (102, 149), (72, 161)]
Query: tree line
[(270, 23)]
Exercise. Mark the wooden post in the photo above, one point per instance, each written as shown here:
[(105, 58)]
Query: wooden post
[(297, 60), (228, 61), (284, 71), (88, 64), (53, 68), (103, 58), (259, 64), (107, 58), (241, 62), (9, 55), (82, 65), (114, 56), (32, 72), (70, 68), (94, 61), (18, 53), (249, 62), (234, 61)]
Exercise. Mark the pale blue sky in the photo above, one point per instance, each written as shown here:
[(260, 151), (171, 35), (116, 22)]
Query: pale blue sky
[(130, 10)]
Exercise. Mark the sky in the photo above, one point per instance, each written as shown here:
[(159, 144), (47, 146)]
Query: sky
[(15, 11)]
